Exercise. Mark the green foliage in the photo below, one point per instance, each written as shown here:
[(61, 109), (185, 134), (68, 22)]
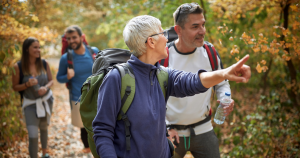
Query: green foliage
[(271, 129), (11, 126)]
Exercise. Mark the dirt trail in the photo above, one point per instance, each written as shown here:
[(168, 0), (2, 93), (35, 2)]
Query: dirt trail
[(64, 139)]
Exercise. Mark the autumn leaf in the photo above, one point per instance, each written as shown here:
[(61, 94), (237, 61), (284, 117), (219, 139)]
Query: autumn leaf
[(264, 48), (264, 68), (256, 49), (294, 7), (231, 38), (276, 35), (284, 31), (220, 27), (263, 62), (35, 18), (220, 41), (261, 35), (237, 58), (258, 68)]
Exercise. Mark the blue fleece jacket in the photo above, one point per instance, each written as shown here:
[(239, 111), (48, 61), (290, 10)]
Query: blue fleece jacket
[(146, 113), (82, 67)]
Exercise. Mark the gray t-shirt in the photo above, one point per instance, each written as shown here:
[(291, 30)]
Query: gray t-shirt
[(30, 92)]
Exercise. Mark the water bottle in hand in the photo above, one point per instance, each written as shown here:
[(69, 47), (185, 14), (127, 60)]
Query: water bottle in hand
[(35, 87), (219, 116)]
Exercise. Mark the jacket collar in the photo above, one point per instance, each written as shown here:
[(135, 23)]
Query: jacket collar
[(142, 67)]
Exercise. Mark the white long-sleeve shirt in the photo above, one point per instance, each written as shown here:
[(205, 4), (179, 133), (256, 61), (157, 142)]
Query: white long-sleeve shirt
[(189, 110)]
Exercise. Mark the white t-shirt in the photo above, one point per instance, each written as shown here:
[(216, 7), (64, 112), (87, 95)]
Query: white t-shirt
[(192, 109)]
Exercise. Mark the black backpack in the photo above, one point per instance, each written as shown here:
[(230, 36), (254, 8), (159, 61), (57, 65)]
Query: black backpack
[(22, 76)]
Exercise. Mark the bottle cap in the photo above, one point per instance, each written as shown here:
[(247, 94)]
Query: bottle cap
[(227, 93)]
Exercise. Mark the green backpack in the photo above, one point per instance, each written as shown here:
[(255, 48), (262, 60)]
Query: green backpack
[(104, 62)]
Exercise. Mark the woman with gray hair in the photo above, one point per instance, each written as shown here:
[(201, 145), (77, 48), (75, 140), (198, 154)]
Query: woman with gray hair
[(147, 41)]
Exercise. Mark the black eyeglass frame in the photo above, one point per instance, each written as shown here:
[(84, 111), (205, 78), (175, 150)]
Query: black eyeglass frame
[(165, 33)]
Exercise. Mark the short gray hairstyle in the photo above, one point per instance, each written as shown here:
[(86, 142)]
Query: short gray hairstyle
[(184, 11), (137, 30)]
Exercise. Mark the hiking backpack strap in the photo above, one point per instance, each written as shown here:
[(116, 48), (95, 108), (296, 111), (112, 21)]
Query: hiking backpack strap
[(127, 95), (20, 79), (165, 62), (163, 76), (93, 54), (212, 55)]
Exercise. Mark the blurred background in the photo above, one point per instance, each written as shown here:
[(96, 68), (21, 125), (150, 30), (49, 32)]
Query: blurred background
[(265, 121)]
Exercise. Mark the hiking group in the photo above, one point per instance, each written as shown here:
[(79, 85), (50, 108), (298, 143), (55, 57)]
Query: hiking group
[(150, 102)]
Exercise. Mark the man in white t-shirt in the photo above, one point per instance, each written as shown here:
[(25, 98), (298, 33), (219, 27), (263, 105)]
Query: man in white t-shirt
[(189, 119)]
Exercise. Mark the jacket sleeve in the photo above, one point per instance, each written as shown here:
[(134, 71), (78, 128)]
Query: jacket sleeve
[(182, 84), (223, 86), (108, 106), (61, 75)]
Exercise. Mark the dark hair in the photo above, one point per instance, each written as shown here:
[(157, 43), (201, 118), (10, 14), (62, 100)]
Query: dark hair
[(182, 12), (25, 57), (74, 28)]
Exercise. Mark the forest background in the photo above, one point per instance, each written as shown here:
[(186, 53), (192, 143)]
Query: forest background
[(265, 121)]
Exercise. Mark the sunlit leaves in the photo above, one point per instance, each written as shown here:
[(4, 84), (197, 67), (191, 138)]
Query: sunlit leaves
[(35, 18)]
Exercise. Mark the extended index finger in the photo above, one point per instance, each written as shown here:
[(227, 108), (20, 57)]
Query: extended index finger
[(241, 62)]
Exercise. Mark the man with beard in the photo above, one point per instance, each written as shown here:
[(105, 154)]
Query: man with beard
[(189, 119), (82, 58)]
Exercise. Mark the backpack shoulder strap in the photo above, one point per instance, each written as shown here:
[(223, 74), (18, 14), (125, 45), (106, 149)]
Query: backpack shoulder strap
[(44, 64), (163, 76), (212, 56), (127, 87), (127, 95), (20, 79), (93, 54), (70, 58), (20, 72), (165, 62)]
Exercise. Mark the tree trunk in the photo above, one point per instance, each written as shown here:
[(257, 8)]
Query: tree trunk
[(291, 67)]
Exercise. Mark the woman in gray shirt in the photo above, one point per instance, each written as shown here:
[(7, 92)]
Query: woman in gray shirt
[(33, 77)]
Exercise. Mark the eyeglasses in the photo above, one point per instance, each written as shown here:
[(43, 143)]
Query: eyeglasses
[(166, 34), (185, 7)]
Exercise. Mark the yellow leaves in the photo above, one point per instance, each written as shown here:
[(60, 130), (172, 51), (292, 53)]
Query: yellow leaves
[(42, 43), (220, 41), (231, 38), (295, 25), (237, 58), (294, 40), (220, 27), (35, 18), (284, 31), (261, 35), (234, 50), (285, 57), (294, 8), (3, 70), (263, 62), (259, 68), (264, 48), (276, 35), (256, 49)]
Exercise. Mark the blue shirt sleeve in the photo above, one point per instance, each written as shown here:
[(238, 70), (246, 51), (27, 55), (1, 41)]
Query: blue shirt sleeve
[(182, 84), (62, 69), (95, 49), (109, 104)]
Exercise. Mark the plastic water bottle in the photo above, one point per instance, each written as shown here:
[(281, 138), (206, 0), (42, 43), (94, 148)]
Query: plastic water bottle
[(219, 116)]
